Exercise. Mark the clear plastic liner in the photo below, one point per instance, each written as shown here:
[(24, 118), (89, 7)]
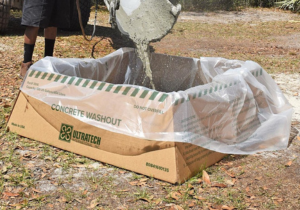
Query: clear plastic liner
[(228, 106)]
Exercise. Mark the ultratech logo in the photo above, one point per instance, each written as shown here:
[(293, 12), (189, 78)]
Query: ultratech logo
[(67, 134)]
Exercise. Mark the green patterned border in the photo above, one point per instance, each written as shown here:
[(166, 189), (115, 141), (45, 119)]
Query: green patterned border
[(213, 89), (126, 90), (101, 86)]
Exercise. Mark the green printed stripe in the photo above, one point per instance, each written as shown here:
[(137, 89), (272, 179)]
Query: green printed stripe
[(205, 92), (71, 80), (38, 74), (44, 75), (200, 94), (86, 83), (51, 76), (126, 90), (135, 92), (110, 86), (64, 79), (57, 78), (93, 84), (256, 73), (144, 94), (261, 71), (163, 97), (31, 73), (78, 82), (117, 89), (101, 86), (153, 96)]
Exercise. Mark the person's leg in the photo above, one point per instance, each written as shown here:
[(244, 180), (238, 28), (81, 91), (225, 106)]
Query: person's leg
[(50, 36), (58, 13), (30, 36), (35, 14)]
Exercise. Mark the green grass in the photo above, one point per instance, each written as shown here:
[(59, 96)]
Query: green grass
[(242, 41)]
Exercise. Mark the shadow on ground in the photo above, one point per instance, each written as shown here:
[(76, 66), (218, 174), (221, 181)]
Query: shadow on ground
[(117, 39)]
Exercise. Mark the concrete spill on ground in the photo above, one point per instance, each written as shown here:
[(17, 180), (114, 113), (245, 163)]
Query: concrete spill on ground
[(146, 21)]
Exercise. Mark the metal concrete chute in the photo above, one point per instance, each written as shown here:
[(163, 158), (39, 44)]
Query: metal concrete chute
[(148, 20), (144, 21), (112, 6)]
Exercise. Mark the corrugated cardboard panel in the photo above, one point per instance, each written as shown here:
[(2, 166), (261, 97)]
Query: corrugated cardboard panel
[(34, 119), (191, 159)]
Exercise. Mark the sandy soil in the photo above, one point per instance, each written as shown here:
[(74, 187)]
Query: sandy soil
[(290, 85)]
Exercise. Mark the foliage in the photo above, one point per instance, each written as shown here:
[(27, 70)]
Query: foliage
[(262, 3), (293, 5)]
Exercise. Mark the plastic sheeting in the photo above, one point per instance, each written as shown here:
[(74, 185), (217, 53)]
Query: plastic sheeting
[(228, 106)]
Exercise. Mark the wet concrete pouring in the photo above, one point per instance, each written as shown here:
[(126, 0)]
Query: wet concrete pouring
[(145, 22)]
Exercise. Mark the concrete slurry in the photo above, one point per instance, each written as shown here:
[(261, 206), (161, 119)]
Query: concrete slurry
[(146, 21)]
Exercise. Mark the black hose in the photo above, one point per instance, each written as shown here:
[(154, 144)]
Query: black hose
[(80, 21)]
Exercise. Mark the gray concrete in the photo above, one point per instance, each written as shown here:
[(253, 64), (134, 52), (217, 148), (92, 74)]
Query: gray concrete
[(145, 22)]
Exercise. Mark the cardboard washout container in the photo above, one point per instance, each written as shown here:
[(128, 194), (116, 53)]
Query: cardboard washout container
[(201, 110)]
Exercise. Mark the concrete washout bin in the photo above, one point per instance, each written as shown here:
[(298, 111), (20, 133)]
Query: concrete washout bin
[(201, 110)]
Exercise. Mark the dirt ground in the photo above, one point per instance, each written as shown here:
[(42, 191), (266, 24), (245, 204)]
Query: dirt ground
[(37, 176)]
